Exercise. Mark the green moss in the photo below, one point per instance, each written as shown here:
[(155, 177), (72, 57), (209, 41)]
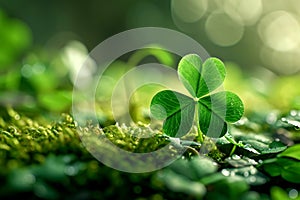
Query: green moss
[(55, 155), (135, 138), (24, 141)]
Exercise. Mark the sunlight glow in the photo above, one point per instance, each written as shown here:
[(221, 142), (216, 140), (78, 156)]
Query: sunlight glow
[(223, 30), (280, 31), (282, 62), (248, 11)]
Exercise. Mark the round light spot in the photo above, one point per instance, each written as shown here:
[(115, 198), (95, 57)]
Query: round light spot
[(225, 172), (223, 30), (26, 71), (29, 179), (293, 194), (247, 11), (38, 68), (189, 10), (280, 31), (71, 171), (281, 62)]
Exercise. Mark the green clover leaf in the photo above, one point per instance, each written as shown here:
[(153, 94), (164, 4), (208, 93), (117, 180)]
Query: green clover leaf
[(212, 111)]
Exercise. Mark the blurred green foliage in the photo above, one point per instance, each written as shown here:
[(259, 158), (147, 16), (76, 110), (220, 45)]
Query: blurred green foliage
[(253, 34), (15, 38), (41, 78)]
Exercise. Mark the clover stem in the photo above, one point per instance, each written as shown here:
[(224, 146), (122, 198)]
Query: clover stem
[(232, 150), (200, 134)]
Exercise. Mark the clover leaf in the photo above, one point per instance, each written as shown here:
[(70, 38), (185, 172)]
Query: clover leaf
[(211, 111)]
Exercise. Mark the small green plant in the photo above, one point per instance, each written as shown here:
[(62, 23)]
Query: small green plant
[(285, 164), (210, 111)]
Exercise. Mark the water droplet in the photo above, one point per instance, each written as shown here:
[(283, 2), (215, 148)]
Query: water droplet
[(252, 179), (70, 171), (236, 157), (293, 194), (293, 113), (225, 172), (253, 171), (246, 174), (252, 162), (17, 117), (283, 119), (272, 118)]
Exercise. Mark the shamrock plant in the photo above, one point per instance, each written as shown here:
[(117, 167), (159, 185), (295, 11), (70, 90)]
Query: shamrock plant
[(210, 110)]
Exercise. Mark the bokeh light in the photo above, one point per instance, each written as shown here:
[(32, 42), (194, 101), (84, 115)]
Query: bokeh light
[(223, 30), (248, 11), (262, 30), (293, 194), (189, 10), (281, 62), (80, 66), (280, 31)]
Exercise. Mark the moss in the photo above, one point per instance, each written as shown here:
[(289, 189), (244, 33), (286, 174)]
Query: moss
[(57, 156), (41, 150), (135, 138), (24, 141)]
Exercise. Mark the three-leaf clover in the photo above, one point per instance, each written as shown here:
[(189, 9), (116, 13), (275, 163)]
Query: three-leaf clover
[(211, 111)]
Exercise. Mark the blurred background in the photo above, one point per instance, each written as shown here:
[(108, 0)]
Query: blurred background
[(43, 42)]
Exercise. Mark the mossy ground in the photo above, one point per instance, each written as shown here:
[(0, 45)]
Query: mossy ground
[(47, 160)]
